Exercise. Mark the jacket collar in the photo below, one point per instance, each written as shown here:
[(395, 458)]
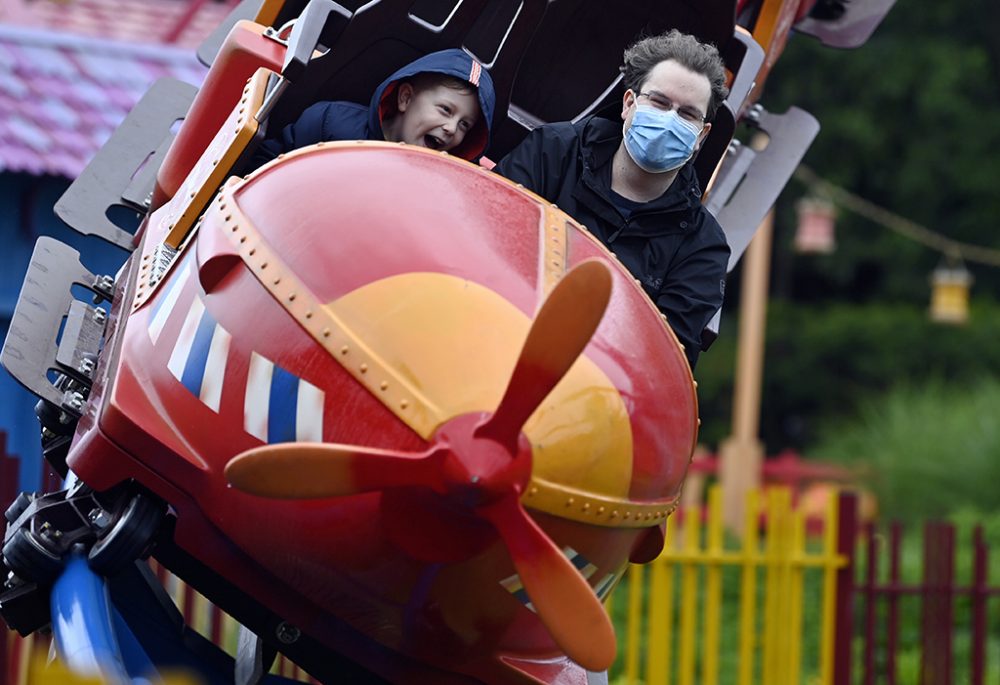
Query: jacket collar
[(600, 138)]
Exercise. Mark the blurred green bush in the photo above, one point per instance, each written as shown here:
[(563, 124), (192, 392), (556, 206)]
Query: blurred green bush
[(932, 449), (826, 364)]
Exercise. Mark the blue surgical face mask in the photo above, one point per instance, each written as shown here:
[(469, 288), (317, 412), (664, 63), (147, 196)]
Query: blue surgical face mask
[(659, 141)]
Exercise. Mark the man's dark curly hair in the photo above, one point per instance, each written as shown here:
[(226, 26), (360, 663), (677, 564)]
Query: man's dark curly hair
[(686, 50)]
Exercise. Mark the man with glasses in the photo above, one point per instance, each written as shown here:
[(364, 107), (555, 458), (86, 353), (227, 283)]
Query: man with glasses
[(634, 187)]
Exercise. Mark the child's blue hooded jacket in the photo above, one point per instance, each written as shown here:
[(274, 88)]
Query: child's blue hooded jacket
[(341, 120)]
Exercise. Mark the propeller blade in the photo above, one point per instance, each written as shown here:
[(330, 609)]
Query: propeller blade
[(302, 470), (563, 599), (561, 330)]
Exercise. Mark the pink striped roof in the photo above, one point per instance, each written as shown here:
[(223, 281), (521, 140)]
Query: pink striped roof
[(70, 71), (61, 96), (183, 23)]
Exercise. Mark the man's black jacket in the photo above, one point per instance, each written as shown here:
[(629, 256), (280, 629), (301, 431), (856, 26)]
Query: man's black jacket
[(672, 244)]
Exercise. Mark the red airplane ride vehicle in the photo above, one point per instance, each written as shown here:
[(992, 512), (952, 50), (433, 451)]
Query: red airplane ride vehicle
[(405, 420)]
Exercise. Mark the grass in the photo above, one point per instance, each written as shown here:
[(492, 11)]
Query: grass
[(931, 450), (932, 453), (908, 653), (730, 636)]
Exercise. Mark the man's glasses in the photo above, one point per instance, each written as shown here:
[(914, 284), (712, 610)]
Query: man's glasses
[(662, 102)]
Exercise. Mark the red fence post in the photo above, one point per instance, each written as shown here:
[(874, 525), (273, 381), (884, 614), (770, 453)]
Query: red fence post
[(871, 579), (893, 591), (978, 594), (847, 533), (938, 606)]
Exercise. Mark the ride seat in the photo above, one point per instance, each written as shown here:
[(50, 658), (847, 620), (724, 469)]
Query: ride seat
[(572, 67), (383, 36), (244, 50), (550, 61)]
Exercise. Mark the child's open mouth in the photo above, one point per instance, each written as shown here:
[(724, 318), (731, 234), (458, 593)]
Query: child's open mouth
[(433, 142)]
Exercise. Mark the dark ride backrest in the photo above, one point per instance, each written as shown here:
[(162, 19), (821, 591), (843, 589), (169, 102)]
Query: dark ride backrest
[(361, 46), (386, 35), (572, 67), (550, 60)]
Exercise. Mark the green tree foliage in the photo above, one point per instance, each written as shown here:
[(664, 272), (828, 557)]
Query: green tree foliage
[(825, 363), (911, 121), (933, 449)]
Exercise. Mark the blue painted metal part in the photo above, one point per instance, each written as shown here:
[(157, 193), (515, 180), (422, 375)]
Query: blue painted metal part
[(89, 632)]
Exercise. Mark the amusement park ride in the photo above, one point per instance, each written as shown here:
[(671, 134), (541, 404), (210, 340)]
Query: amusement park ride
[(404, 420)]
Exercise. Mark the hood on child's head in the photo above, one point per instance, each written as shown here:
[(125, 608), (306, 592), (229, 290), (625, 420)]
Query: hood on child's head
[(455, 63)]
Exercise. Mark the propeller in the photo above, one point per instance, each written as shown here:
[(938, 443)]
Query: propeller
[(561, 330), (483, 462), (563, 599), (309, 470)]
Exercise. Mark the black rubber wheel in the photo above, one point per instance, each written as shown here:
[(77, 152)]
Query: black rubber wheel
[(128, 537), (17, 507), (49, 416), (28, 560)]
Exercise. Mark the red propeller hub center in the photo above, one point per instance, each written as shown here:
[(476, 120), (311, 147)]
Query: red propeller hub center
[(475, 472), (478, 470)]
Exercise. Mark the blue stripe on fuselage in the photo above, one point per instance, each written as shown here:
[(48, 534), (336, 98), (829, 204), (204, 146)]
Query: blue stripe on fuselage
[(282, 406), (194, 369)]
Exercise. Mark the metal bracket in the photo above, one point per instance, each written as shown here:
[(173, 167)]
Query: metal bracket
[(306, 32), (274, 34), (751, 59), (139, 192), (81, 341), (749, 181), (30, 350), (107, 181), (319, 17)]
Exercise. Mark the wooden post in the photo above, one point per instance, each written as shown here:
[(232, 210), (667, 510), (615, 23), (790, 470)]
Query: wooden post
[(847, 534), (979, 594), (895, 579), (937, 629), (871, 600), (742, 454)]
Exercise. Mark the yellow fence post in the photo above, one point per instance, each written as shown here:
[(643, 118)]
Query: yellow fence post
[(770, 641), (635, 580), (687, 645), (658, 617), (748, 589), (776, 610), (660, 613), (796, 574), (782, 615), (713, 590), (770, 588), (831, 562)]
